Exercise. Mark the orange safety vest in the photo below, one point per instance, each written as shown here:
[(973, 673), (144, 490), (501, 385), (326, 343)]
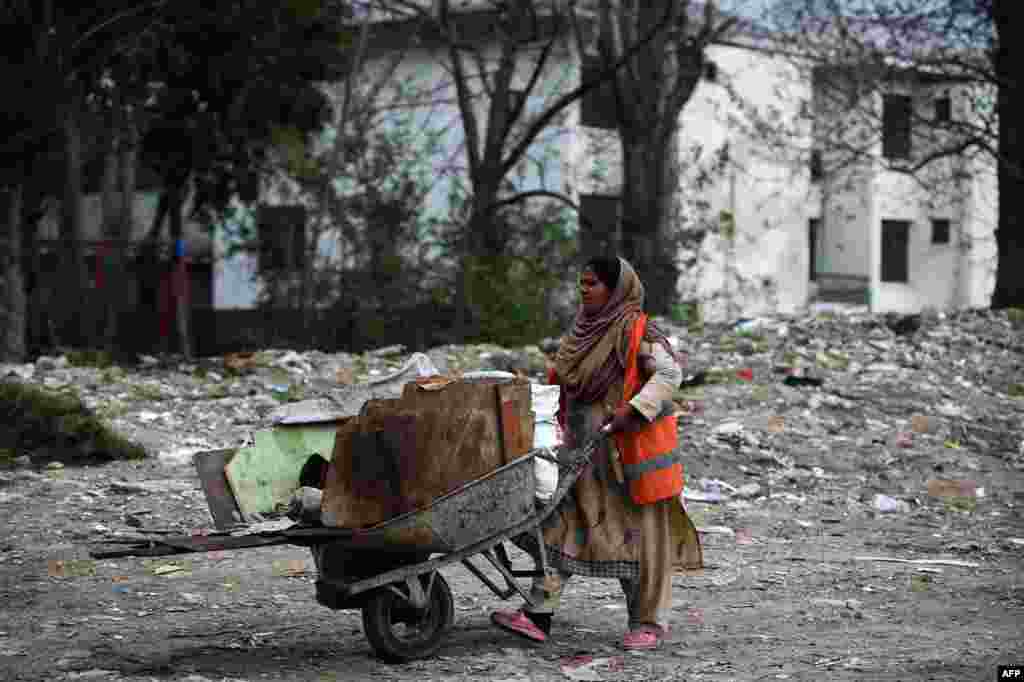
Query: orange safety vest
[(652, 468)]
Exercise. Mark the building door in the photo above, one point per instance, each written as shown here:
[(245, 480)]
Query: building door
[(813, 240), (895, 250)]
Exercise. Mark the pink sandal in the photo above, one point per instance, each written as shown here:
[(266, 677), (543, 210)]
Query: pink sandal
[(517, 622), (644, 638)]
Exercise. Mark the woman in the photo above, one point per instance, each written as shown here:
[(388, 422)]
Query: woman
[(622, 518)]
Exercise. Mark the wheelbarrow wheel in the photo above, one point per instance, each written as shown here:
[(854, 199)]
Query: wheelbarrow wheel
[(398, 631)]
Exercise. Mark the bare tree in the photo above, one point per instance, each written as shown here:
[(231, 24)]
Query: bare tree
[(864, 47), (498, 55), (651, 90)]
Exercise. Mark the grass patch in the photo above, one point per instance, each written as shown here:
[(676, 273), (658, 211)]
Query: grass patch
[(1016, 317), (57, 426), (1016, 390), (112, 375), (90, 358), (147, 392), (218, 391)]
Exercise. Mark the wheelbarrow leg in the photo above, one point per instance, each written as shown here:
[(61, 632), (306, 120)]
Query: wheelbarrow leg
[(507, 574)]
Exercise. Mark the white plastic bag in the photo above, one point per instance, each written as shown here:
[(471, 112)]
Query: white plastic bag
[(544, 402)]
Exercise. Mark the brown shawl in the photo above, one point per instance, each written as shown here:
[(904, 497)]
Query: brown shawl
[(593, 355)]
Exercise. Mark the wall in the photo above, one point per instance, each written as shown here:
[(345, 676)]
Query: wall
[(857, 195), (753, 108)]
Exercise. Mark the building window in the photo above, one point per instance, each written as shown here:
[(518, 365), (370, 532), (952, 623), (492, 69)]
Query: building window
[(896, 113), (597, 108), (895, 250), (817, 169), (710, 71), (282, 237), (940, 231), (943, 110), (599, 220)]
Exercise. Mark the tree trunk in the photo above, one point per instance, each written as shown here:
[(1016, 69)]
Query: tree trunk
[(180, 275), (12, 285), (117, 279), (107, 288), (646, 240), (74, 283), (1009, 289)]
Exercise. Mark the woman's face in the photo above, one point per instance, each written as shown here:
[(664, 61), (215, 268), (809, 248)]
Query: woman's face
[(594, 293)]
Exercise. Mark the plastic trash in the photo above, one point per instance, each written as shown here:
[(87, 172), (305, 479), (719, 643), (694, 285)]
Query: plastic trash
[(546, 435), (886, 504)]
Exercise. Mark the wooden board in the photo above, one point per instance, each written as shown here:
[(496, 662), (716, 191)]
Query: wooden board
[(219, 498), (423, 446)]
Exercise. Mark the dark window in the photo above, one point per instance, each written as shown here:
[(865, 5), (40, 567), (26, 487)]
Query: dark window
[(282, 231), (943, 110), (940, 231), (895, 243), (597, 109), (710, 71), (599, 218), (813, 236), (817, 170), (896, 113)]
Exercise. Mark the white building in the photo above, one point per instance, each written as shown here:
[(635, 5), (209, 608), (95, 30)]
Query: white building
[(748, 141)]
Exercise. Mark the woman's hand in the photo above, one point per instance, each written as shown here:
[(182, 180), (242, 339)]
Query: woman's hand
[(625, 418)]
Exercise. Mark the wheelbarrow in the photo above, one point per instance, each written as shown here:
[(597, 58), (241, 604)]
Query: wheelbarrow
[(390, 571)]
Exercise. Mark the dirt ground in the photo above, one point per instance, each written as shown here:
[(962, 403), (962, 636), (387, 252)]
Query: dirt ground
[(794, 590)]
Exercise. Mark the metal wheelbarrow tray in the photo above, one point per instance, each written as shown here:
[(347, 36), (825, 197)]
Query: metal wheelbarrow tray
[(390, 570)]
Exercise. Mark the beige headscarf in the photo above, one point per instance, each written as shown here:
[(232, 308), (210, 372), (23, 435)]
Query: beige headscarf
[(594, 354)]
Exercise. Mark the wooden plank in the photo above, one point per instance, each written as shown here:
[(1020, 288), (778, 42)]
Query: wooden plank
[(219, 498)]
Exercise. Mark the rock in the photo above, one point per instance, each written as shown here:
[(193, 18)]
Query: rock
[(23, 372), (130, 488), (748, 490), (728, 428), (387, 351), (49, 363)]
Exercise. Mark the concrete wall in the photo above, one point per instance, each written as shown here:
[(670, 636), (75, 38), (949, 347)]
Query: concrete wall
[(858, 195)]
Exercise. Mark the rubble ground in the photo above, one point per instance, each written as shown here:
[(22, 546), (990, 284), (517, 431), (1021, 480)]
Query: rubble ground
[(857, 481)]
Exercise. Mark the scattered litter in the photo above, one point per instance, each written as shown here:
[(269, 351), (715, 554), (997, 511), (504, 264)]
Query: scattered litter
[(171, 569), (716, 530), (938, 487), (920, 562), (904, 439), (886, 504), (290, 568), (93, 674)]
